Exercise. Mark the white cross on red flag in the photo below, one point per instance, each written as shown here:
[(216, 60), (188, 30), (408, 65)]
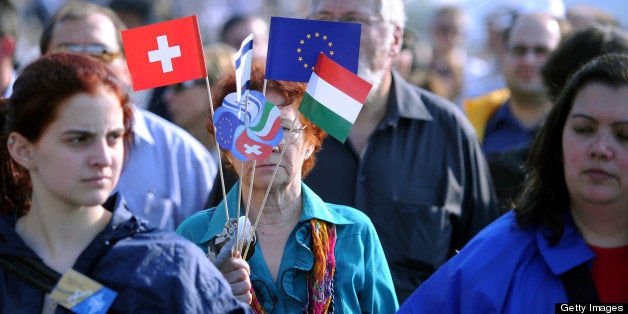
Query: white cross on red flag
[(164, 53)]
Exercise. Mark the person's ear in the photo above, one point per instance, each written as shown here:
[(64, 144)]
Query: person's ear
[(21, 150), (309, 150), (397, 42), (226, 156)]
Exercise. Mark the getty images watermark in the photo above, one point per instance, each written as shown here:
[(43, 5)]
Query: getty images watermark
[(591, 308)]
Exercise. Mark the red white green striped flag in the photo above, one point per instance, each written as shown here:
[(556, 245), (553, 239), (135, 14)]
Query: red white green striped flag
[(334, 97)]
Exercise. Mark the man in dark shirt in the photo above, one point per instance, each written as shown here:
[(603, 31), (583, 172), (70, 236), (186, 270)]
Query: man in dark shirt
[(412, 162)]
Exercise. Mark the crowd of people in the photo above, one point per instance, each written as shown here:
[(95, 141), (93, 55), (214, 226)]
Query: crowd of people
[(454, 192)]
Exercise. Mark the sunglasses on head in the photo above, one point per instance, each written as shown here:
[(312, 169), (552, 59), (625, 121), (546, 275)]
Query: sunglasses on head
[(95, 50)]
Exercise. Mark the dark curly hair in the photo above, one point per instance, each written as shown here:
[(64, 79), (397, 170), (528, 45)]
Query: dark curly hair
[(546, 195), (578, 48)]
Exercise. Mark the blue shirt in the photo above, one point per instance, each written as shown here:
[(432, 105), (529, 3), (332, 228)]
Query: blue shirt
[(503, 131), (362, 281), (504, 269), (168, 175)]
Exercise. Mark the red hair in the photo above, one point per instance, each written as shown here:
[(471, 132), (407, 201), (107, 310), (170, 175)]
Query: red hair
[(38, 94)]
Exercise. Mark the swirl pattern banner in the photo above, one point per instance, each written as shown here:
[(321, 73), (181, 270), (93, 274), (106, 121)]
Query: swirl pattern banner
[(248, 129)]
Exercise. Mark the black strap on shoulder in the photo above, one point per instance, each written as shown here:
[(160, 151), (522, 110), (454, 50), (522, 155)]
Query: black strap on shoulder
[(30, 270), (579, 285)]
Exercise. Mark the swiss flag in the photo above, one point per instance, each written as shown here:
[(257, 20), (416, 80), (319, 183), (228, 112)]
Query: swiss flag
[(164, 53), (248, 148)]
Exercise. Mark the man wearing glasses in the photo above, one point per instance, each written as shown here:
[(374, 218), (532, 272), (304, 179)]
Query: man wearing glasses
[(506, 119), (412, 162), (168, 174), (512, 118)]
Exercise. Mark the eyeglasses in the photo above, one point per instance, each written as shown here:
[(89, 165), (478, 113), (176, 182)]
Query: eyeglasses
[(348, 18), (95, 50), (179, 87), (291, 136), (520, 50)]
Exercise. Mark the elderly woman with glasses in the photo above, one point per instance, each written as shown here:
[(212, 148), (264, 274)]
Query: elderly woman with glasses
[(310, 256)]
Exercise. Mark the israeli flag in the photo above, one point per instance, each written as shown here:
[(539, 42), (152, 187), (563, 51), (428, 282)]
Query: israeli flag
[(243, 66)]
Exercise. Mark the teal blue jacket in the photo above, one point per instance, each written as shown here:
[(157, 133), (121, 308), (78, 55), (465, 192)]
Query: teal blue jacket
[(362, 282)]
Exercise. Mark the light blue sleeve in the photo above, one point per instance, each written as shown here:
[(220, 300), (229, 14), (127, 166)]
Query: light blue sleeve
[(168, 175), (196, 171)]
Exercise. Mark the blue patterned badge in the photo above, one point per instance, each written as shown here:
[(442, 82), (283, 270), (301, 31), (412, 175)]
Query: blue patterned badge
[(82, 294)]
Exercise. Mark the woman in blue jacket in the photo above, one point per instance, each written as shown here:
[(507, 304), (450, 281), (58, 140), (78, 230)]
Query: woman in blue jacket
[(63, 132), (567, 241)]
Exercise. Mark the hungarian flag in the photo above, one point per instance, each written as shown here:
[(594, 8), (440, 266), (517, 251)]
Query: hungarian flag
[(333, 98), (164, 53)]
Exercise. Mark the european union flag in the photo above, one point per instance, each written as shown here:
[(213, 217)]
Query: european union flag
[(294, 45), (226, 125)]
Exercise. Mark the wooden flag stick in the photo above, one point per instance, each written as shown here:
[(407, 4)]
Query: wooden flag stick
[(239, 204), (248, 206), (246, 125), (222, 177)]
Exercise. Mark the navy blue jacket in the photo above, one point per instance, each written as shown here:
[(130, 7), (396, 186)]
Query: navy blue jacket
[(153, 271)]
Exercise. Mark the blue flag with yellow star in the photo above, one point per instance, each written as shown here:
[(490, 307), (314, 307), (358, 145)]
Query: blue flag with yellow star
[(294, 45)]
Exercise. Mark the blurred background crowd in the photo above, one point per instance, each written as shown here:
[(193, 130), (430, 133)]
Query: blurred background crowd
[(501, 63), (480, 18), (457, 49)]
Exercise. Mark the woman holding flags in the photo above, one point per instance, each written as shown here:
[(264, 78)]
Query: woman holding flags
[(294, 263)]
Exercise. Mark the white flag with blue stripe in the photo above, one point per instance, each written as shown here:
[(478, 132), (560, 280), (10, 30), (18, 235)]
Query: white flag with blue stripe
[(243, 66)]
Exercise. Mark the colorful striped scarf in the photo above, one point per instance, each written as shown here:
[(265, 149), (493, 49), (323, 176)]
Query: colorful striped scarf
[(320, 280)]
